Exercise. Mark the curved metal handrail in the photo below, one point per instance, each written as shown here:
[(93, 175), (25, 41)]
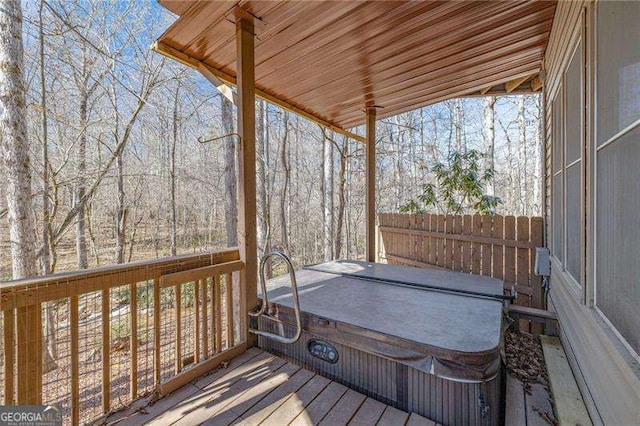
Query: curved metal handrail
[(265, 300)]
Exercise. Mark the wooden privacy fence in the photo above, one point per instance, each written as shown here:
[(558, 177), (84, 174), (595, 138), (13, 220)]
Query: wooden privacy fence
[(498, 246), (120, 332)]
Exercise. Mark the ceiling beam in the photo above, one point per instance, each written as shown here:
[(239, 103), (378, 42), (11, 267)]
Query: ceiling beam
[(224, 89), (536, 83), (230, 80), (512, 85), (485, 90)]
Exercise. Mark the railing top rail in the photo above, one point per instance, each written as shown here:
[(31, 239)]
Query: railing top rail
[(213, 257)]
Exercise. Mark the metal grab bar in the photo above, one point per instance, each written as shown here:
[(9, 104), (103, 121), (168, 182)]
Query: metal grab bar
[(265, 301)]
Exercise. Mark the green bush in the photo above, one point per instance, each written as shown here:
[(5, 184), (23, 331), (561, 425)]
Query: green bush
[(459, 188)]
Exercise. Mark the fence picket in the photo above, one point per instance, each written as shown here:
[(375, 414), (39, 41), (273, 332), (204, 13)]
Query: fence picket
[(467, 223), (448, 255), (433, 243), (457, 244), (476, 251), (509, 252), (522, 255), (487, 253), (498, 250)]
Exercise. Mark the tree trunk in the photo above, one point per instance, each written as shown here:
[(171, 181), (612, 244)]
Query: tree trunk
[(172, 175), (457, 133), (81, 239), (50, 347), (341, 197), (522, 156), (230, 182), (266, 184), (538, 165), (121, 226), (488, 107), (327, 200), (284, 233), (261, 182), (14, 145)]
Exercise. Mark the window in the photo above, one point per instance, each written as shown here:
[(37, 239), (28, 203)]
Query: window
[(617, 168), (574, 125), (567, 189), (557, 183)]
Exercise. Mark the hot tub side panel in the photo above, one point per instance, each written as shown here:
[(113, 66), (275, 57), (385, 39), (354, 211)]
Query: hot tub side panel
[(406, 388)]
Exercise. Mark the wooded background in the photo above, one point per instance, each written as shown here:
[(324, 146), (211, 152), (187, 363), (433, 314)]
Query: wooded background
[(123, 165)]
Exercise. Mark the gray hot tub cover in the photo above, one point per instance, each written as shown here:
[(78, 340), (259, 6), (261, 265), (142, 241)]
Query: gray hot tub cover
[(450, 335)]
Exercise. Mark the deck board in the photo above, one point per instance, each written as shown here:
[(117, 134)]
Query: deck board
[(515, 414), (344, 410), (258, 388), (260, 411), (369, 413), (393, 416), (321, 405), (418, 420), (297, 402)]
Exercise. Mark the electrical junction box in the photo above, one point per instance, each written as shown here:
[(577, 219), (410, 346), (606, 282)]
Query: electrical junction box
[(542, 267)]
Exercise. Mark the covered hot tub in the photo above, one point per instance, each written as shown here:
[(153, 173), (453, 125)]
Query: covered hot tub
[(424, 341)]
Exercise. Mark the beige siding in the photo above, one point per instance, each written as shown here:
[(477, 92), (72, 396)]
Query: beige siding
[(610, 387), (564, 33)]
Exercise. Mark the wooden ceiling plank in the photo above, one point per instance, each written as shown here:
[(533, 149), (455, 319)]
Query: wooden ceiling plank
[(440, 94), (278, 19), (389, 100), (402, 78), (424, 35), (439, 97), (459, 77), (415, 59), (221, 35), (505, 54), (197, 19), (310, 20), (185, 59), (457, 86), (350, 38), (463, 76)]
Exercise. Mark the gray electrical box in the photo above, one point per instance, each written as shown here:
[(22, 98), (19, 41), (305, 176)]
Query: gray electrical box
[(542, 267)]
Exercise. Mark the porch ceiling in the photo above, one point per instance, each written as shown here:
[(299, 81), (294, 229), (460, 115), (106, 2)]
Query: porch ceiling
[(330, 59)]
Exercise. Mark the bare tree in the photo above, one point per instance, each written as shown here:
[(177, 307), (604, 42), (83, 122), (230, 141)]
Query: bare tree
[(488, 108), (284, 149), (230, 179), (15, 146), (172, 173), (327, 198), (522, 156)]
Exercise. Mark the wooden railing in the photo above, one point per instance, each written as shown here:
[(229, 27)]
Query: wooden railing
[(118, 333), (498, 246)]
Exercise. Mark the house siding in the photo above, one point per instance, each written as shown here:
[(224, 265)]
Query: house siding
[(606, 373)]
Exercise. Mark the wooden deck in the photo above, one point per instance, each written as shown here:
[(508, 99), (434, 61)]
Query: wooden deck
[(258, 388), (527, 404)]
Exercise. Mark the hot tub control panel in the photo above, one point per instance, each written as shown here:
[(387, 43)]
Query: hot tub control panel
[(323, 350)]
